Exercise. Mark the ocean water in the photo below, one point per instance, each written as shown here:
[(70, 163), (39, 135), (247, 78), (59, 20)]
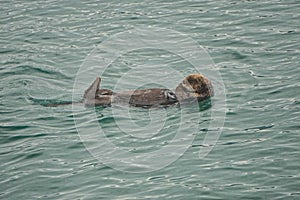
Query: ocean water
[(120, 152)]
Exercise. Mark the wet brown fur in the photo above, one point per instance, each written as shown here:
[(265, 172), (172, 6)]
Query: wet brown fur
[(193, 87)]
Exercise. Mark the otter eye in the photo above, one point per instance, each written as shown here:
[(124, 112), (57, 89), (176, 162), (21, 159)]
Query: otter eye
[(171, 96)]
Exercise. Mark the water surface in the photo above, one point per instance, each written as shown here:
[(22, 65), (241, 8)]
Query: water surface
[(255, 46)]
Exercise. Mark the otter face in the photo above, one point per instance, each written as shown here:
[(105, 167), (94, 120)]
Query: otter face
[(194, 87)]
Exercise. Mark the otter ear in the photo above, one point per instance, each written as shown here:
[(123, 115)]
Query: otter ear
[(90, 93)]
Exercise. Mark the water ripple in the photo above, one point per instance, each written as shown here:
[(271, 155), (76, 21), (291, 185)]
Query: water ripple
[(255, 46)]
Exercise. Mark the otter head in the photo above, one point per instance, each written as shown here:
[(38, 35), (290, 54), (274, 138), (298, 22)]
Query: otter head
[(194, 87)]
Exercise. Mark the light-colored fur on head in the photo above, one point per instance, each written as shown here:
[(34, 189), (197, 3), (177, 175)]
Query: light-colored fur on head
[(194, 86)]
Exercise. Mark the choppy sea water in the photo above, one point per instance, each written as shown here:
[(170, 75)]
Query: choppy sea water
[(255, 47)]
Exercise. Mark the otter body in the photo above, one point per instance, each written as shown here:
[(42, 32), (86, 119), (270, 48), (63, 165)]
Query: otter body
[(193, 87)]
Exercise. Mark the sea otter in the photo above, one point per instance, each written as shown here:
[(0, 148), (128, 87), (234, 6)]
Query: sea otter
[(194, 87)]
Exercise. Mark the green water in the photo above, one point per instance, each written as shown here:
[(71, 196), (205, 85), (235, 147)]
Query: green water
[(255, 47)]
